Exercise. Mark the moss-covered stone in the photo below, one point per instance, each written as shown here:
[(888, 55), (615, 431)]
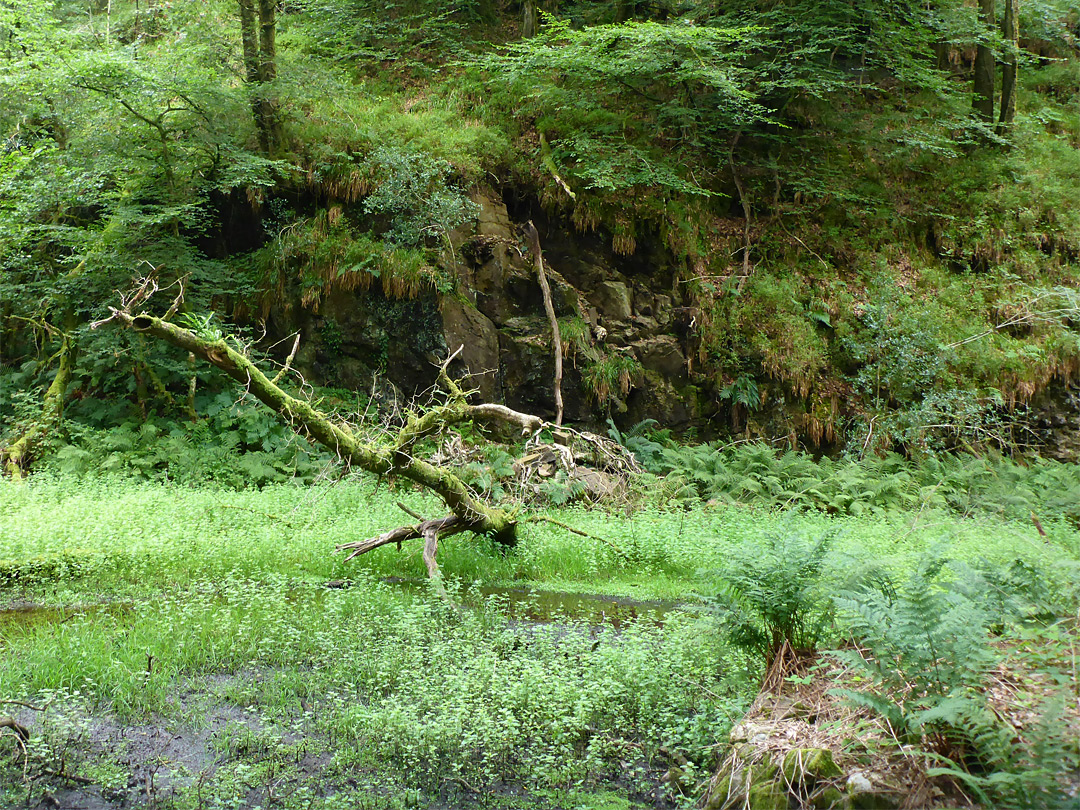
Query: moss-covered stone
[(831, 798), (768, 796), (719, 794), (809, 765)]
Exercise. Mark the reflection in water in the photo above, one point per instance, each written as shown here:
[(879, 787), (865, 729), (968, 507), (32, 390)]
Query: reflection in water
[(517, 604)]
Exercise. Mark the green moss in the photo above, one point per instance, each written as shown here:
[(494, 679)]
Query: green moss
[(809, 765)]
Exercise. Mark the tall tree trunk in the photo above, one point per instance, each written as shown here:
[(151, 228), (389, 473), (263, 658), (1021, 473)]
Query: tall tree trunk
[(985, 68), (249, 36), (528, 20), (1010, 30), (258, 33)]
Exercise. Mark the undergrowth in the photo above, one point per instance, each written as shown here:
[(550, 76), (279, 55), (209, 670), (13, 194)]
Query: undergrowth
[(927, 647), (758, 473)]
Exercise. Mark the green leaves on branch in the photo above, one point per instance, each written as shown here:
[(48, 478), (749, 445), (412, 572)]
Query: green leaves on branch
[(620, 103)]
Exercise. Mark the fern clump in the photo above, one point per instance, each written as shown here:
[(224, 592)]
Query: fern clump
[(771, 595), (926, 651)]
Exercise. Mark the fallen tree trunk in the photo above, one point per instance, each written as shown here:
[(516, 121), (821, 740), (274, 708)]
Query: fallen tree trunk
[(393, 459)]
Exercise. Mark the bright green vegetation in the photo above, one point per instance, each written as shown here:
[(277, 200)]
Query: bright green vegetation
[(205, 612), (847, 228)]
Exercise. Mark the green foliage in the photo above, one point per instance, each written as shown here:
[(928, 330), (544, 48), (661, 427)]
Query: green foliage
[(608, 376), (756, 473), (236, 445), (623, 112), (742, 392), (938, 628), (772, 595), (313, 257), (413, 195)]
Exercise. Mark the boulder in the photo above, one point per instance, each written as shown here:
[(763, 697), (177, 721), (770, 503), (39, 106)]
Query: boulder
[(613, 300), (465, 326)]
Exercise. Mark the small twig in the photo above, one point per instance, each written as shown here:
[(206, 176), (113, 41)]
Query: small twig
[(579, 532), (74, 777), (176, 301), (9, 702), (257, 512), (409, 511), (288, 360)]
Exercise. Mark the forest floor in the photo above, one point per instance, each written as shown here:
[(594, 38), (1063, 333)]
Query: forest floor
[(202, 648)]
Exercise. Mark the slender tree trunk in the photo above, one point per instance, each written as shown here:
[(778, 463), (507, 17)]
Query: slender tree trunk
[(985, 68), (258, 33), (745, 208), (549, 308), (528, 19), (249, 36), (1010, 30)]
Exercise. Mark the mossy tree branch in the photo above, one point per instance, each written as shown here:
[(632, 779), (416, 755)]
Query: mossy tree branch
[(393, 459)]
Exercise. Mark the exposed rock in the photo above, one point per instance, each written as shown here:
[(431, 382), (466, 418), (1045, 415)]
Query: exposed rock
[(466, 326), (522, 288), (658, 398), (662, 355), (358, 336), (612, 299), (489, 282), (1057, 421), (865, 795), (528, 369), (493, 219), (644, 325)]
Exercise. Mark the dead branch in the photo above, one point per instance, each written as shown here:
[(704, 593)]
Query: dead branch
[(579, 532), (556, 339), (21, 731), (288, 360), (431, 547), (393, 458), (445, 526), (409, 511)]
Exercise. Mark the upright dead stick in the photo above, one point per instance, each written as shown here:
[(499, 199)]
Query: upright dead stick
[(534, 245)]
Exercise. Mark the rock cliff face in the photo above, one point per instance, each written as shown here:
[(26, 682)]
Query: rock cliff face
[(1057, 421), (629, 307)]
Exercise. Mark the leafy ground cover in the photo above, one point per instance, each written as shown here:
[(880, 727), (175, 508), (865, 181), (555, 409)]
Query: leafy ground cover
[(188, 652)]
